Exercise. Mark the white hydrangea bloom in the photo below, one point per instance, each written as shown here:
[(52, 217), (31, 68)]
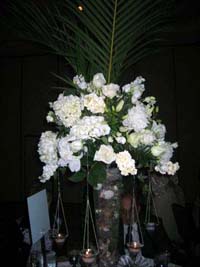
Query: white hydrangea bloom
[(94, 103), (110, 90), (105, 154), (137, 118), (159, 130), (98, 80), (125, 163), (169, 168), (47, 147), (67, 109), (79, 80), (48, 171), (90, 127), (147, 137)]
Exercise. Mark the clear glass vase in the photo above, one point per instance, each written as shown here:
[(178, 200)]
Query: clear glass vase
[(107, 207)]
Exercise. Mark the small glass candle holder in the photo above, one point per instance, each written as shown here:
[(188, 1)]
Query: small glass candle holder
[(134, 247), (60, 239), (88, 255)]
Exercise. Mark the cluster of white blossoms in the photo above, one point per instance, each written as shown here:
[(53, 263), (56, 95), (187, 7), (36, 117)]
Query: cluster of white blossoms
[(116, 120), (67, 109)]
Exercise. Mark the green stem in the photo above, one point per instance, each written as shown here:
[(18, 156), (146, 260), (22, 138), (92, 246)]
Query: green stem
[(112, 42)]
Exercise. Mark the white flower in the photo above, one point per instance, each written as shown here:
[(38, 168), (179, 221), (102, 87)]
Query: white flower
[(76, 146), (98, 80), (110, 139), (79, 80), (137, 118), (159, 130), (134, 139), (90, 127), (50, 117), (94, 103), (126, 88), (105, 154), (125, 163), (48, 171), (157, 150), (106, 194), (66, 155), (136, 88), (67, 109), (110, 90), (169, 168), (47, 147), (147, 137), (151, 100), (120, 140), (163, 150)]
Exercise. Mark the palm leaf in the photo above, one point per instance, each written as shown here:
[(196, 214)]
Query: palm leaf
[(108, 36)]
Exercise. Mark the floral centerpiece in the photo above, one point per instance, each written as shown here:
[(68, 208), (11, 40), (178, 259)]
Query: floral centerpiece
[(99, 124)]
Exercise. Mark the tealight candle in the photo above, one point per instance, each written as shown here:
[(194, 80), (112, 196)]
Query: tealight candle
[(88, 256), (134, 247), (60, 239)]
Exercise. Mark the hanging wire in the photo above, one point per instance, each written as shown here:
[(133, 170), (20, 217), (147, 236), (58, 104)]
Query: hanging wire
[(88, 217), (59, 210), (150, 200)]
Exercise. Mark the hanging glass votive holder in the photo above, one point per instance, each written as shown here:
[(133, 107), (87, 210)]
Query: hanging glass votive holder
[(60, 228), (150, 224), (135, 243)]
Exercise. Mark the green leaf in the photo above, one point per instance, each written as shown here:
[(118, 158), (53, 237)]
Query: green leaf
[(77, 177), (107, 36), (97, 173)]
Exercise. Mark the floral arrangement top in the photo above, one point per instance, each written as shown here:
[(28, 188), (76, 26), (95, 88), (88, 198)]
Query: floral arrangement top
[(99, 124)]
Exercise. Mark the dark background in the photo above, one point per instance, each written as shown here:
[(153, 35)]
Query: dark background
[(26, 84)]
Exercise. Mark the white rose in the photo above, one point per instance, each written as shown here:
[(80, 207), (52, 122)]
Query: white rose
[(76, 146), (110, 90), (79, 80), (105, 154), (94, 103), (134, 139), (99, 80), (121, 140), (157, 150), (125, 163)]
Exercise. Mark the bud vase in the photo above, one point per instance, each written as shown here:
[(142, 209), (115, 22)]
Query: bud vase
[(107, 218)]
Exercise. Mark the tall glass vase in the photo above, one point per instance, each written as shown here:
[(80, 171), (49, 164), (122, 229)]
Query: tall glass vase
[(107, 218)]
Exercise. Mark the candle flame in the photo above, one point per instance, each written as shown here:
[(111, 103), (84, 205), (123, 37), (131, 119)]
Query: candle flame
[(80, 8)]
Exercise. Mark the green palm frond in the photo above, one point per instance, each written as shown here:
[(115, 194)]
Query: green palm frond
[(107, 36)]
